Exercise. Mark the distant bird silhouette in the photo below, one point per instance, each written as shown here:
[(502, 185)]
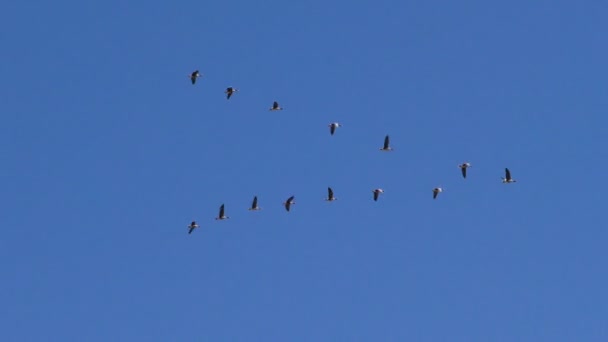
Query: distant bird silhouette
[(222, 216), (333, 126), (229, 91), (194, 75), (508, 178), (192, 226), (254, 204), (330, 195), (377, 193), (436, 192), (463, 167), (275, 106), (386, 146), (289, 202)]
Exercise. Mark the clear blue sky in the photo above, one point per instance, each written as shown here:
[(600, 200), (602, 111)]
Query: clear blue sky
[(108, 152)]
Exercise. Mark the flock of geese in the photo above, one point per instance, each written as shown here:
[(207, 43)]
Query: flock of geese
[(330, 193)]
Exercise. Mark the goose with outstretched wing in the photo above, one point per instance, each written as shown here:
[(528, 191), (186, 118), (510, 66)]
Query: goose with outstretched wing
[(289, 202), (386, 146), (222, 215)]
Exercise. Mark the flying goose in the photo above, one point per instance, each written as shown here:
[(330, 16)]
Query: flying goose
[(275, 106), (194, 75), (463, 167), (508, 178), (436, 192), (386, 146), (333, 126), (221, 216), (289, 202), (192, 226), (254, 204), (229, 91), (377, 193), (330, 195)]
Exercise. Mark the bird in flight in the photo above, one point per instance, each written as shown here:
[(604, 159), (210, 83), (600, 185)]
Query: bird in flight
[(254, 204), (333, 126), (508, 178), (275, 106), (229, 91), (222, 216), (436, 192), (377, 193), (192, 226), (330, 195), (194, 75), (386, 146), (289, 202), (463, 167)]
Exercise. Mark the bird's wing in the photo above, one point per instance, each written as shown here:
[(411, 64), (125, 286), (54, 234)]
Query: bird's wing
[(386, 142), (330, 193), (435, 194), (507, 174), (190, 231), (464, 172), (275, 104), (221, 211), (255, 202), (332, 129), (376, 195)]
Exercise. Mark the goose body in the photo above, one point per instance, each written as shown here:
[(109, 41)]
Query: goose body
[(275, 106), (222, 215), (289, 202), (333, 126), (386, 147), (254, 204), (463, 168), (436, 192), (330, 195), (194, 75), (192, 226), (377, 193), (507, 178), (229, 91)]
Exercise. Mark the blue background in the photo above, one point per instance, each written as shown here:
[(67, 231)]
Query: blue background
[(108, 152)]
